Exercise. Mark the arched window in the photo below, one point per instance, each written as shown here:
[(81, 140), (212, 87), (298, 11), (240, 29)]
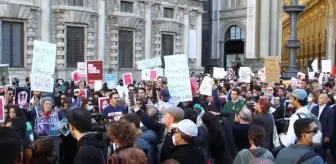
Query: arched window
[(234, 33)]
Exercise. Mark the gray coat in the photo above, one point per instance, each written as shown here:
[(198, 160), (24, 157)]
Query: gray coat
[(245, 155), (291, 154)]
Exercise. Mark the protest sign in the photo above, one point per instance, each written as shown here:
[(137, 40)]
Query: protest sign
[(326, 66), (127, 78), (159, 71), (300, 75), (22, 97), (82, 68), (103, 102), (64, 127), (177, 73), (153, 75), (98, 84), (42, 83), (2, 110), (4, 75), (145, 74), (206, 86), (111, 80), (272, 69), (75, 77), (314, 65), (44, 58), (50, 127), (149, 63), (334, 71), (245, 74), (219, 73), (94, 71)]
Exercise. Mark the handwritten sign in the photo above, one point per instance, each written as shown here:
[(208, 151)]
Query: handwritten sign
[(206, 86), (149, 63), (42, 83), (81, 68), (219, 73), (272, 69), (177, 73), (245, 74), (44, 58)]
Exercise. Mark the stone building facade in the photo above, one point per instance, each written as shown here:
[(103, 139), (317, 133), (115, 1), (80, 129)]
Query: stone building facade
[(245, 30), (118, 32)]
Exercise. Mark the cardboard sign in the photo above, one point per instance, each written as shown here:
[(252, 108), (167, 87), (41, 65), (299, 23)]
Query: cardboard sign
[(44, 58), (42, 83), (103, 102), (94, 71), (127, 78), (206, 86), (272, 69)]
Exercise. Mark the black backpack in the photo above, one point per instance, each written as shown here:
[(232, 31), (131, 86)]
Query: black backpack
[(306, 156)]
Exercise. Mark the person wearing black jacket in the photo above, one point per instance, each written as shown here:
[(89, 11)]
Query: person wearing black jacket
[(92, 147), (171, 115)]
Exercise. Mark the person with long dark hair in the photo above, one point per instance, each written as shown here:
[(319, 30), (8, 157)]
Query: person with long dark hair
[(217, 141)]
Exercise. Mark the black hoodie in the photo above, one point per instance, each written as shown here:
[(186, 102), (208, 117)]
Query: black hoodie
[(92, 149)]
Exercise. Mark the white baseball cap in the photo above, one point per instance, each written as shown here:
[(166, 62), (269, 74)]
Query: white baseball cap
[(187, 127)]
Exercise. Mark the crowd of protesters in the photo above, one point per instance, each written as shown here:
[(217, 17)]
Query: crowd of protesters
[(240, 123)]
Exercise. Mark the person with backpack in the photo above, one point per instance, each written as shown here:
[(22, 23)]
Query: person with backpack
[(256, 154), (299, 100), (307, 133)]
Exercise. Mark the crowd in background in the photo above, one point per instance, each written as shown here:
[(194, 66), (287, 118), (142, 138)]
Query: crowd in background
[(239, 123)]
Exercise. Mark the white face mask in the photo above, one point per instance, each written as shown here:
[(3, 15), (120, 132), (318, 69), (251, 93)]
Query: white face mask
[(90, 107), (317, 138), (310, 99), (221, 84), (174, 141), (335, 97)]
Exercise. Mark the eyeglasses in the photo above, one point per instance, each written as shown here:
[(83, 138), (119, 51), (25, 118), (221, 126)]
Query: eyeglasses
[(312, 131), (90, 104)]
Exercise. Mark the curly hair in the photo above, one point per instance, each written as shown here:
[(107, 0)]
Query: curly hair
[(256, 133), (122, 131)]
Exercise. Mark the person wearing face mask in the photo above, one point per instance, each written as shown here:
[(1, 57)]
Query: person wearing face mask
[(311, 101), (185, 151), (326, 117), (306, 131), (299, 100)]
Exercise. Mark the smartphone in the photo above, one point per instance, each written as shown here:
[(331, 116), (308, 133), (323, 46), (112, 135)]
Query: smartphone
[(131, 98)]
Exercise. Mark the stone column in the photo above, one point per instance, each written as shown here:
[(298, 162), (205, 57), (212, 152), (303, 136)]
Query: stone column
[(331, 44), (101, 31), (148, 31), (199, 40), (274, 28), (186, 33), (265, 28), (45, 20)]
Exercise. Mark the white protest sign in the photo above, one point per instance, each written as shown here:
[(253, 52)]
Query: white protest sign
[(177, 73), (149, 63), (159, 71), (314, 65), (145, 74), (320, 79), (98, 84), (326, 66), (219, 73), (206, 86), (311, 75), (44, 58), (245, 74), (42, 83), (82, 68)]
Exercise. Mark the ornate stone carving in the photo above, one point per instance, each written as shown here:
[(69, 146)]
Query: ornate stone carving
[(158, 11)]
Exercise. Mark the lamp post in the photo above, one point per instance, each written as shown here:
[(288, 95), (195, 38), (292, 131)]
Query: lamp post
[(293, 10)]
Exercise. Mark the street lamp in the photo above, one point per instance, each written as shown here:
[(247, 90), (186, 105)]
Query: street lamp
[(293, 10)]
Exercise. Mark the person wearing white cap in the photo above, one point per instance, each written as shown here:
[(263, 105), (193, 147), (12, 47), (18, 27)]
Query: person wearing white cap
[(185, 151)]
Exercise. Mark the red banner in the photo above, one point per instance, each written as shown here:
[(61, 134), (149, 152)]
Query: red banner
[(94, 71), (334, 71)]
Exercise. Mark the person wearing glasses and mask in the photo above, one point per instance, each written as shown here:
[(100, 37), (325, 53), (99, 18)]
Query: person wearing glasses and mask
[(307, 133)]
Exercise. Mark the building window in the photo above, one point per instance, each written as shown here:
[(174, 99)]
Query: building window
[(12, 43), (125, 50), (75, 3), (168, 12), (167, 46), (75, 45), (234, 33), (237, 3), (126, 7)]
